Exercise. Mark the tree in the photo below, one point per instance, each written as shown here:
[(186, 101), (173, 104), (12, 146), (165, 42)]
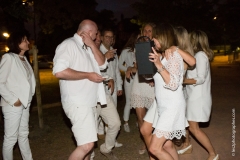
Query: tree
[(191, 14), (14, 14), (61, 13), (227, 20)]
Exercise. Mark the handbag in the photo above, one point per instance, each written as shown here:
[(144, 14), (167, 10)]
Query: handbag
[(145, 67)]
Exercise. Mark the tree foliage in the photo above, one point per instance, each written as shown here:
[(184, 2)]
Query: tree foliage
[(191, 14), (228, 17), (61, 13)]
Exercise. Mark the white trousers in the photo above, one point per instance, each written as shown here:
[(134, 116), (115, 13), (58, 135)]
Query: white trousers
[(128, 90), (16, 129), (114, 99), (114, 94), (110, 116)]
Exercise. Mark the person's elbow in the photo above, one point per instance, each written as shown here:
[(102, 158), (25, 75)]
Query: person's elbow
[(192, 62), (59, 75)]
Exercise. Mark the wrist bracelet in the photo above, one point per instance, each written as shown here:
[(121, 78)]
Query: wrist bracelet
[(161, 69)]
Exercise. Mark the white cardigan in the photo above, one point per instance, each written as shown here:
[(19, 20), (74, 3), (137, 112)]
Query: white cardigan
[(14, 84)]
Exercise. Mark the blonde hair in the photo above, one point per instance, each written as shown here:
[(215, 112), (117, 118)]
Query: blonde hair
[(153, 28), (183, 40), (165, 36), (199, 42)]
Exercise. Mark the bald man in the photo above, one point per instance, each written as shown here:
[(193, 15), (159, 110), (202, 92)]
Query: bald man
[(77, 63)]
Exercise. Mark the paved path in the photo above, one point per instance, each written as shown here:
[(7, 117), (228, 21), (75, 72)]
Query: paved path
[(57, 143)]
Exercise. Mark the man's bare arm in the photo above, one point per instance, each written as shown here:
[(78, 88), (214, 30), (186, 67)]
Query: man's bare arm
[(98, 55), (70, 74)]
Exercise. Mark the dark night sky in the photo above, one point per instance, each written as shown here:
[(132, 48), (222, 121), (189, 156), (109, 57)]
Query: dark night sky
[(118, 7)]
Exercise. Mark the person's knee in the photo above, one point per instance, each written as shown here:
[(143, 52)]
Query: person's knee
[(168, 146), (10, 140), (114, 124), (153, 149), (23, 134), (145, 131), (86, 148), (193, 130)]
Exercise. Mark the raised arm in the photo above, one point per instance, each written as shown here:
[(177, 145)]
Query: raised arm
[(98, 55), (187, 57), (172, 72)]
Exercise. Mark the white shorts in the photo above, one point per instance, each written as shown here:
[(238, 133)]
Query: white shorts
[(84, 120)]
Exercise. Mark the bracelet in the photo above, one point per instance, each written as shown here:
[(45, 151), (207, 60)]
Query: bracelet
[(161, 69)]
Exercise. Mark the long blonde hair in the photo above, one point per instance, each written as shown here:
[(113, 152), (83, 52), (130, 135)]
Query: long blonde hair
[(183, 40), (165, 36), (199, 41)]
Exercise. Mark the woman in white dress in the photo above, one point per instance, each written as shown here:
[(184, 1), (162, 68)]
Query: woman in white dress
[(171, 120), (185, 50), (142, 95), (199, 99), (126, 64)]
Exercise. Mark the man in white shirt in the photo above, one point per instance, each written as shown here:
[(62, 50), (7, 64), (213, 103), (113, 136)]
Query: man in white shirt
[(113, 71), (77, 63), (108, 114)]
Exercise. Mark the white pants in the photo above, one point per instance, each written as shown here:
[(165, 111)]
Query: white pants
[(114, 94), (114, 99), (128, 90), (16, 129), (110, 116)]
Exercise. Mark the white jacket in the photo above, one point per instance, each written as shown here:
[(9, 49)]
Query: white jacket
[(14, 84)]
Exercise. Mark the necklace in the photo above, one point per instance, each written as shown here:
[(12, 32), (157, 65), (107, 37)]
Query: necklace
[(21, 56)]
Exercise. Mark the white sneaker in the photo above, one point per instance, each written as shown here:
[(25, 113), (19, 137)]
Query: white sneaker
[(92, 155), (126, 127), (107, 153), (118, 144)]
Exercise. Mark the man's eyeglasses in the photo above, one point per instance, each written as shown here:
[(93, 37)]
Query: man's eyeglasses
[(109, 37)]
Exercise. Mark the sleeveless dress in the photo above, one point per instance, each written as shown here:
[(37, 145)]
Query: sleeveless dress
[(171, 106)]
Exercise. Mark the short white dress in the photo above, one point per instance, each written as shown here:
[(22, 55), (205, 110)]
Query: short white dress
[(199, 98), (142, 94), (171, 106)]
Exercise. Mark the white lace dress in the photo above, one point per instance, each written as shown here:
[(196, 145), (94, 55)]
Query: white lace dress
[(171, 106), (142, 94)]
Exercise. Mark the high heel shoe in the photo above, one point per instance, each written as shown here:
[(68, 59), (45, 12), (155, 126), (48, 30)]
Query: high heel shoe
[(142, 151), (216, 157), (186, 150)]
